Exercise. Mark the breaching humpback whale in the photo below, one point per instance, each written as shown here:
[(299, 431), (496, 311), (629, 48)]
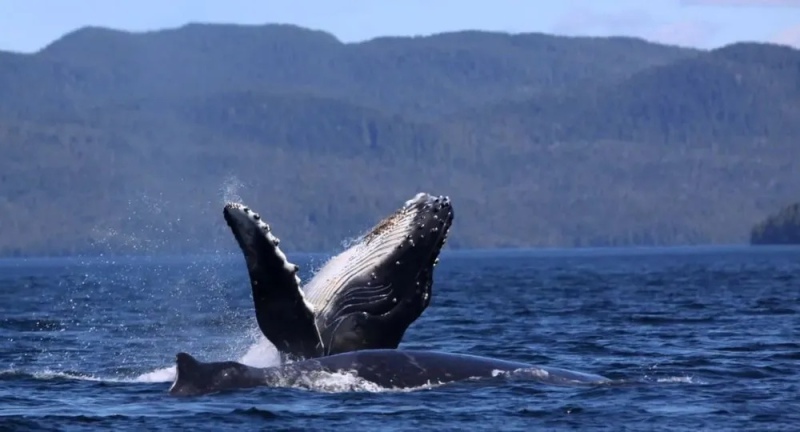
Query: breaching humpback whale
[(387, 368), (353, 313), (363, 298)]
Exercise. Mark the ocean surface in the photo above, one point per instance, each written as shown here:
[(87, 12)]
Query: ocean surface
[(703, 338)]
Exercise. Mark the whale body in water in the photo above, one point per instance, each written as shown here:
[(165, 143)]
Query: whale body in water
[(388, 368), (353, 313)]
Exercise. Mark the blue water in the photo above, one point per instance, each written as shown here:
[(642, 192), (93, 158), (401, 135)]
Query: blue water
[(711, 336)]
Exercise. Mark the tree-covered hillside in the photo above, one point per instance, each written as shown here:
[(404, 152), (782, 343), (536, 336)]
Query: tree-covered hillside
[(782, 227), (125, 142)]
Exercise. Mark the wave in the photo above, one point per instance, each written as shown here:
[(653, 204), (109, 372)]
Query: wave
[(49, 374)]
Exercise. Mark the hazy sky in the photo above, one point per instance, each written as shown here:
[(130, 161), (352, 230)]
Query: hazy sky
[(28, 25)]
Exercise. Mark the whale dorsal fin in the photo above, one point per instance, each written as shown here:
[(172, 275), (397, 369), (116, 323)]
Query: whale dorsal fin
[(187, 374)]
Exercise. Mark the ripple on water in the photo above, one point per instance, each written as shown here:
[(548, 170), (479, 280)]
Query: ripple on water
[(695, 339)]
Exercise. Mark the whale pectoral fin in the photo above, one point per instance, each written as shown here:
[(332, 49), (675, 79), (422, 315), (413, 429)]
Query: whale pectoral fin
[(283, 314), (286, 319)]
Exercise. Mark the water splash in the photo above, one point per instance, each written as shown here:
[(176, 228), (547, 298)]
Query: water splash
[(145, 228), (261, 353), (230, 189)]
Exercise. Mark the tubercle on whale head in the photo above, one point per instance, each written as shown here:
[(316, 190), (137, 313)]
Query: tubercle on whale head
[(429, 214), (418, 231)]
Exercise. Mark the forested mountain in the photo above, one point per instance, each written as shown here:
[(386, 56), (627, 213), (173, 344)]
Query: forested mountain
[(125, 142), (780, 228)]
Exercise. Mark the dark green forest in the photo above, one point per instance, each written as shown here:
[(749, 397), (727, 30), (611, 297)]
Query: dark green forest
[(780, 228), (116, 142)]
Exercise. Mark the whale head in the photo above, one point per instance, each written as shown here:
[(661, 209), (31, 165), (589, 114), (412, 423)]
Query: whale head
[(370, 293)]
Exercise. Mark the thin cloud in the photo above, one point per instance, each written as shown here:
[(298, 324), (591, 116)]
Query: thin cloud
[(788, 36), (750, 3), (685, 33), (637, 23), (589, 22)]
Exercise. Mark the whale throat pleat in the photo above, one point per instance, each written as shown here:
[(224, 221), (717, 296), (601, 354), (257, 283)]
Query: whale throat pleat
[(358, 261)]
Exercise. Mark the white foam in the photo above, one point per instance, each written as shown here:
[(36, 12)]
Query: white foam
[(678, 379), (48, 374), (159, 375), (261, 354), (343, 381), (416, 198)]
